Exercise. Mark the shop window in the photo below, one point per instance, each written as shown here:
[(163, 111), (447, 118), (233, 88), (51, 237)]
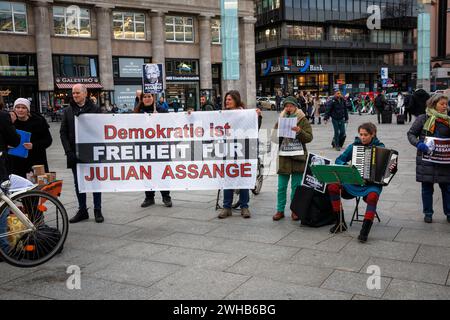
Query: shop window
[(71, 21), (179, 29), (128, 25), (176, 67), (13, 17), (17, 65), (75, 66)]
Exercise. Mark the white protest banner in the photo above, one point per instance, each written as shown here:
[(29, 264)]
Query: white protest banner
[(439, 150), (167, 151)]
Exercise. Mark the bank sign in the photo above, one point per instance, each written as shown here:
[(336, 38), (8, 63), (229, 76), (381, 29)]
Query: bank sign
[(301, 65)]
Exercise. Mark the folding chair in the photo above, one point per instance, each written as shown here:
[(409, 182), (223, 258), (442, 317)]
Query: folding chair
[(356, 216)]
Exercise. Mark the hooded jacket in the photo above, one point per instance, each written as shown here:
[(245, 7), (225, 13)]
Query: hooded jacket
[(296, 164), (418, 102)]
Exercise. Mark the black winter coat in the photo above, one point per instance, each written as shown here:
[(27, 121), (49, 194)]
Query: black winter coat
[(41, 140), (67, 130), (418, 102), (428, 171), (337, 110), (8, 137)]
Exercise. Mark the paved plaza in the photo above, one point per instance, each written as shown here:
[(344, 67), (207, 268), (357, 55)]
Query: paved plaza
[(185, 252)]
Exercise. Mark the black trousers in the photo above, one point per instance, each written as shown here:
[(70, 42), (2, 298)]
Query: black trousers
[(151, 194)]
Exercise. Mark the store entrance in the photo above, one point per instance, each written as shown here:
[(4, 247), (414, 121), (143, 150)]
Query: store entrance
[(186, 93)]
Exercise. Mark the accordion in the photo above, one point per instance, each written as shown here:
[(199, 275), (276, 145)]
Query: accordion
[(373, 163)]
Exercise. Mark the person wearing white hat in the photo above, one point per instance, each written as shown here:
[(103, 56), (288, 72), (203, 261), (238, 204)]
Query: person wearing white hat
[(40, 140)]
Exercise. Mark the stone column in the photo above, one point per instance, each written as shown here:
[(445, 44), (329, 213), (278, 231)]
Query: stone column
[(43, 46), (104, 47), (248, 69), (158, 36), (205, 52)]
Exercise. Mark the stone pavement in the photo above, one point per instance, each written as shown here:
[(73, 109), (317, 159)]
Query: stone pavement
[(185, 252)]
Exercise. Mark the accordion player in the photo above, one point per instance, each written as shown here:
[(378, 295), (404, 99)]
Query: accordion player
[(373, 163)]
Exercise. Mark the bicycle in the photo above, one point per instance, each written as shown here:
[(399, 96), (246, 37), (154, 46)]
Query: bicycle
[(33, 226)]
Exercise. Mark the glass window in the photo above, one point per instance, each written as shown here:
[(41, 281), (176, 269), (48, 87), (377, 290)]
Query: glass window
[(129, 25), (215, 31), (75, 66), (179, 29), (13, 17), (71, 21), (17, 65)]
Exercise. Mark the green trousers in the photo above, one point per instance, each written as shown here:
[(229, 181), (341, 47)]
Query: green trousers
[(283, 181)]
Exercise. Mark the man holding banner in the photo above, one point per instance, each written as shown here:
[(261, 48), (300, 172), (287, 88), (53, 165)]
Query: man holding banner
[(430, 134), (79, 105)]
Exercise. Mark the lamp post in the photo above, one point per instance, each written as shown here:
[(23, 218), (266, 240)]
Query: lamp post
[(423, 45)]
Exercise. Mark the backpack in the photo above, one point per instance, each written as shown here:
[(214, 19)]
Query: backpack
[(313, 207)]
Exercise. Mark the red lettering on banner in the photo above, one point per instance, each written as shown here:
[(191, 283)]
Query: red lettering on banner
[(205, 171), (235, 172), (181, 171), (168, 172), (246, 167), (111, 175), (108, 135), (123, 134), (132, 174), (193, 173)]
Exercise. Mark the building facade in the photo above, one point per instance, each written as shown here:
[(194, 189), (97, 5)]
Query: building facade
[(321, 45), (440, 44), (48, 45)]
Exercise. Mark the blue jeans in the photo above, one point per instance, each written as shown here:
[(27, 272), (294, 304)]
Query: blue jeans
[(82, 196), (427, 198), (244, 198), (339, 131)]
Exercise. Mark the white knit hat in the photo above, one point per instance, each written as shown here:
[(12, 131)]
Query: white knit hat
[(24, 102)]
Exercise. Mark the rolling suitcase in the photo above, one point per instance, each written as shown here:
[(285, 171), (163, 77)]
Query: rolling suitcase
[(400, 119)]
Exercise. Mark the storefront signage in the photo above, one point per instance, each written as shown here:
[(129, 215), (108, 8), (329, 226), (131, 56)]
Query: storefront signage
[(74, 80), (130, 67), (183, 78), (125, 96), (306, 66)]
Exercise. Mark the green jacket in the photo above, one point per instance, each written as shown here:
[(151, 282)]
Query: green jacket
[(296, 164)]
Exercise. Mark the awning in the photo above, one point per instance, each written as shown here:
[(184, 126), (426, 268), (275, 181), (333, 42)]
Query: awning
[(70, 85)]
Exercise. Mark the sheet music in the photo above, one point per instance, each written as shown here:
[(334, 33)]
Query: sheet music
[(285, 126)]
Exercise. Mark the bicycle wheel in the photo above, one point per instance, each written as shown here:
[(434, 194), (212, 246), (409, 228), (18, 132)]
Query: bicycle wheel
[(259, 181), (26, 249)]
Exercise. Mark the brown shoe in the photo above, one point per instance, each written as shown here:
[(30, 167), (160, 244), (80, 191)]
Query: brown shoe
[(278, 216), (226, 212), (294, 216), (245, 213)]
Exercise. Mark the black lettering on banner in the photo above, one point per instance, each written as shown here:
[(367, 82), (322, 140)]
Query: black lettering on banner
[(173, 151)]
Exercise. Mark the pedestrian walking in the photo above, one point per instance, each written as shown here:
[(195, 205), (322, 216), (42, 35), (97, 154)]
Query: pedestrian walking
[(380, 105), (339, 116), (316, 113), (79, 104), (147, 105), (40, 139), (291, 167), (434, 123), (370, 192)]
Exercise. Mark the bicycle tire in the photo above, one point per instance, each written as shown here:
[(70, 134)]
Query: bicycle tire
[(31, 196)]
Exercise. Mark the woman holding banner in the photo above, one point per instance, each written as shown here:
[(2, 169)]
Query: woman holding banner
[(431, 166), (232, 101), (147, 105)]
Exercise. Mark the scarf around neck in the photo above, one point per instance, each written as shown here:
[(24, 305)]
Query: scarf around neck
[(433, 115)]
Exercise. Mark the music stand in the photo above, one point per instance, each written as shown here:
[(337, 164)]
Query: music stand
[(341, 174)]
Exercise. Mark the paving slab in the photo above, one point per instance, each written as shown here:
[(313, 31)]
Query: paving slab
[(433, 255), (431, 238), (354, 283), (410, 271), (192, 241), (198, 284), (413, 290), (249, 233), (266, 289)]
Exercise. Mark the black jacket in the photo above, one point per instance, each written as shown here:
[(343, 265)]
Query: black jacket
[(428, 171), (336, 110), (8, 137), (67, 130), (41, 140), (418, 102), (208, 106)]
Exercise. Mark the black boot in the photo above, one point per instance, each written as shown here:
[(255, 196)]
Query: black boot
[(98, 216), (336, 228), (81, 215), (367, 224), (148, 202)]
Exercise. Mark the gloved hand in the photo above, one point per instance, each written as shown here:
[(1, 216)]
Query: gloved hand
[(71, 159), (422, 147)]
